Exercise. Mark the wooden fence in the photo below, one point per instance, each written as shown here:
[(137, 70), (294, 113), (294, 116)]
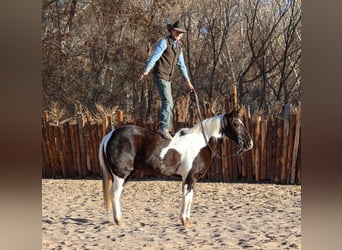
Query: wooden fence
[(70, 150)]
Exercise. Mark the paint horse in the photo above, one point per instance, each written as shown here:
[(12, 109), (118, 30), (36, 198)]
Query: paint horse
[(188, 155)]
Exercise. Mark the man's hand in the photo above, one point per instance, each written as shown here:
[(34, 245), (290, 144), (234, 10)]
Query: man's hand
[(190, 86), (143, 75)]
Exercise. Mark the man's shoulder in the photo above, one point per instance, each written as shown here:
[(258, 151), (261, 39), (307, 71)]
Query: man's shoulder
[(162, 41), (165, 39)]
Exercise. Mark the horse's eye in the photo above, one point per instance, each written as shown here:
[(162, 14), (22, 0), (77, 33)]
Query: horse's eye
[(236, 123)]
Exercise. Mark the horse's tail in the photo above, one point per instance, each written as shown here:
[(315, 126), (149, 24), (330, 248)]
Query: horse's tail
[(107, 179)]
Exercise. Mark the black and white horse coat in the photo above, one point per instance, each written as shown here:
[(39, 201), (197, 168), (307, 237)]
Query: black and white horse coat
[(130, 148)]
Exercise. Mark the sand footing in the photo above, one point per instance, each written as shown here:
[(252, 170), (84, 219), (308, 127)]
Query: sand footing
[(224, 216)]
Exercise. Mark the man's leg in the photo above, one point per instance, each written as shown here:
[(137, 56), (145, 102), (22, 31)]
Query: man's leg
[(164, 90)]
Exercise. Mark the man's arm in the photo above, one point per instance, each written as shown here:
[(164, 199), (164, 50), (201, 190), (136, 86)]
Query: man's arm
[(157, 53)]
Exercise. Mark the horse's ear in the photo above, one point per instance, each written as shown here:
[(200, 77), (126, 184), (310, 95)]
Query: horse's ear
[(234, 113), (242, 111)]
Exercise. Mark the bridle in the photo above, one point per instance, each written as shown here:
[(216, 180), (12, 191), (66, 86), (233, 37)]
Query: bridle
[(240, 149)]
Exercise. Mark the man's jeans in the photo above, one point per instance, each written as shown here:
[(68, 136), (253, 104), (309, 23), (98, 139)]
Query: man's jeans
[(164, 90)]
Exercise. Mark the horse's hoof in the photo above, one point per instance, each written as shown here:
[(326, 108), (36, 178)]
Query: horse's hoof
[(120, 222), (186, 222)]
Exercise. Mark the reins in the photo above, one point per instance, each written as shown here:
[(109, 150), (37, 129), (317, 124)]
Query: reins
[(238, 152)]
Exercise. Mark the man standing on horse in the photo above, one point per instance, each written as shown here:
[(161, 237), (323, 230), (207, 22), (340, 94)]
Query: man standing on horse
[(166, 55)]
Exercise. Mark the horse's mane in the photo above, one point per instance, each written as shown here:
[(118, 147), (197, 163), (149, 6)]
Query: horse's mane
[(184, 131), (210, 125)]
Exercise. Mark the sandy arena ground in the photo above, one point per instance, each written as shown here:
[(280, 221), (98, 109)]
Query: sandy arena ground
[(224, 216)]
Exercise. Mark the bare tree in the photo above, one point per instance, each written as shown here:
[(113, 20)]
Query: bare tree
[(94, 50)]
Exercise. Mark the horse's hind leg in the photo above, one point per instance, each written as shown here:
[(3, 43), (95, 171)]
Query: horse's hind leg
[(115, 192)]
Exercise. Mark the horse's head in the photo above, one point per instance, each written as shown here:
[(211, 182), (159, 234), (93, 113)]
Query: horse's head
[(235, 129)]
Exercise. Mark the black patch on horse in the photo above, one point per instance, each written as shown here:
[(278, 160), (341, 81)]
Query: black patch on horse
[(184, 131), (171, 161)]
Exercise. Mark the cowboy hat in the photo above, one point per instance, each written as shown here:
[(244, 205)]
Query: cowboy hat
[(179, 26)]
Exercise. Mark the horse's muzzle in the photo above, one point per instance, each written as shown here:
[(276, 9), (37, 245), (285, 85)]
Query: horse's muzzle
[(248, 145)]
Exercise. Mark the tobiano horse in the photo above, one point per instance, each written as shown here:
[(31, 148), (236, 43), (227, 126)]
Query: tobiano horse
[(188, 155)]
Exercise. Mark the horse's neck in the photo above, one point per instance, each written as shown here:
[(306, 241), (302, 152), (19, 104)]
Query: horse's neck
[(211, 127)]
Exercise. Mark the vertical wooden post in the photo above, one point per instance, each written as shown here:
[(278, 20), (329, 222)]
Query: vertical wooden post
[(62, 154), (55, 133), (226, 104), (292, 124), (87, 147), (257, 148), (110, 124), (212, 169), (75, 149), (263, 143), (271, 149), (91, 154), (243, 163), (96, 143), (286, 117), (224, 161), (235, 168), (82, 167), (218, 169), (296, 144), (299, 165), (104, 126), (234, 97), (70, 150), (250, 154), (279, 141), (229, 160), (119, 117)]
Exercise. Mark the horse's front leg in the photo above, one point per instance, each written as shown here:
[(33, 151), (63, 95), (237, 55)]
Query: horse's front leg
[(116, 191), (187, 200)]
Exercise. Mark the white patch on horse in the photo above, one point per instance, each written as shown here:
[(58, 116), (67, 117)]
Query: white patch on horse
[(190, 143), (115, 191)]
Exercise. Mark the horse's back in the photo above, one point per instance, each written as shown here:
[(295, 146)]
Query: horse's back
[(126, 139), (131, 147)]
